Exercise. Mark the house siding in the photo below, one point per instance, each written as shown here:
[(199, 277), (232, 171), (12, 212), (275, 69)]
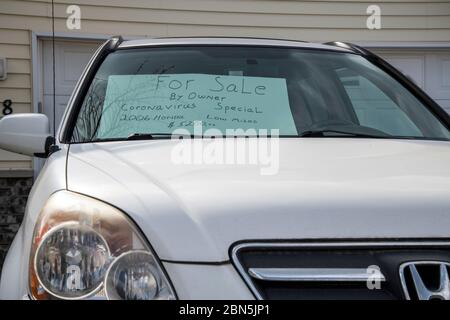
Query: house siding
[(15, 46)]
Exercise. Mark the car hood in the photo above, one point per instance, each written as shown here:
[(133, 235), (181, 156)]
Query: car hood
[(325, 188)]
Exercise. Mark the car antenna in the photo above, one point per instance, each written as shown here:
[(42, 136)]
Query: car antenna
[(50, 144)]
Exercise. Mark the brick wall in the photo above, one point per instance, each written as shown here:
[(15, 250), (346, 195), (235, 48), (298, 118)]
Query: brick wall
[(13, 198)]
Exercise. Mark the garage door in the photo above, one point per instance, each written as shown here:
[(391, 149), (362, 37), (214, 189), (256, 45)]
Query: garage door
[(428, 69)]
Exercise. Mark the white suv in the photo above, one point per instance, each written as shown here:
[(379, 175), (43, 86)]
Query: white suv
[(345, 195)]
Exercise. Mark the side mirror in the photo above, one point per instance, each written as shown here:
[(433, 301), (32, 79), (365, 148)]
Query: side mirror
[(26, 133)]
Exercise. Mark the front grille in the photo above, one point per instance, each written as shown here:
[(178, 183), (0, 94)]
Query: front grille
[(332, 270)]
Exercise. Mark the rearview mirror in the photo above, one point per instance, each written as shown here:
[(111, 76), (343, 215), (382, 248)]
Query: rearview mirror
[(27, 133)]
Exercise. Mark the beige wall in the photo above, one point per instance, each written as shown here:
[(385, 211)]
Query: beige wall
[(314, 20), (15, 46)]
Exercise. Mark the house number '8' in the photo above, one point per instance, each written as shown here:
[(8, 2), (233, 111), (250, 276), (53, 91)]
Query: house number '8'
[(7, 107)]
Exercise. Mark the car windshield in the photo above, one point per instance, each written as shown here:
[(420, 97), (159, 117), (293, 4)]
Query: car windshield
[(294, 92)]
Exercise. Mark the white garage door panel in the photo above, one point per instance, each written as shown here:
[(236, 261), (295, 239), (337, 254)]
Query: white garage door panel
[(429, 69), (412, 66), (444, 104), (438, 75)]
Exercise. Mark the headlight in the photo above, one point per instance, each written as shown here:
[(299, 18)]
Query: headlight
[(84, 248), (133, 276)]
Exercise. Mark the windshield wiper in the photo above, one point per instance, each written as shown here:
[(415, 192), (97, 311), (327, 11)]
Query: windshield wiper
[(340, 133), (148, 136), (308, 133)]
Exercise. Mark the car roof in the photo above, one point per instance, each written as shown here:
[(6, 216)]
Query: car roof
[(227, 41)]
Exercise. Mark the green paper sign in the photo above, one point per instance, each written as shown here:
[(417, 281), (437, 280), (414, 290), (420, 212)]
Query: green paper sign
[(163, 103)]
